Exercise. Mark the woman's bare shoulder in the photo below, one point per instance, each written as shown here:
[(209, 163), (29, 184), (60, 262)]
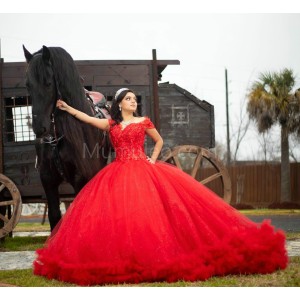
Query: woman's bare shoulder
[(143, 118), (140, 119)]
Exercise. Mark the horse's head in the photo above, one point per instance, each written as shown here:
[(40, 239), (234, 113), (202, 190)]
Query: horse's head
[(51, 74), (41, 85)]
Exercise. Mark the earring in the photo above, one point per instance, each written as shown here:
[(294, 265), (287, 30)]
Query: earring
[(120, 108)]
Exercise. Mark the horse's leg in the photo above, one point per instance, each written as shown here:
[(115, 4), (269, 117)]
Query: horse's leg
[(50, 179), (51, 184)]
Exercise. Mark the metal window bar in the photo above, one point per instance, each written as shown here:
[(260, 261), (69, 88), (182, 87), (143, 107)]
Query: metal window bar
[(18, 119)]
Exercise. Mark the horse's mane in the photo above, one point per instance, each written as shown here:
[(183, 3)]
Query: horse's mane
[(83, 138)]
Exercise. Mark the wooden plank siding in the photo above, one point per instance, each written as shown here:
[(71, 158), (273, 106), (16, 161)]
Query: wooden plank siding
[(260, 184), (185, 119)]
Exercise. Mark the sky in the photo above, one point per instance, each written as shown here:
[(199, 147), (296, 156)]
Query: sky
[(206, 42)]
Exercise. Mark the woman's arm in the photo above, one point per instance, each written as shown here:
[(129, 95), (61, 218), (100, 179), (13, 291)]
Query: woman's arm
[(99, 123), (156, 137)]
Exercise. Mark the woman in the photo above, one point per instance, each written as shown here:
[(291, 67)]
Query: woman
[(141, 220)]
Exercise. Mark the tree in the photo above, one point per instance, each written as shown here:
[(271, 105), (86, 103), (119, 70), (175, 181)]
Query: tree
[(271, 101), (239, 131), (270, 149)]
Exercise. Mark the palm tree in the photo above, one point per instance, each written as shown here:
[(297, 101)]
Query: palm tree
[(271, 101)]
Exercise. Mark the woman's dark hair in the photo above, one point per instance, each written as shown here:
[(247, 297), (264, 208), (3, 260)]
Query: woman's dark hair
[(115, 109)]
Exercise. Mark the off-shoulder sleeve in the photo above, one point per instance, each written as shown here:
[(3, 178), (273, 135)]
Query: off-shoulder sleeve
[(148, 124), (110, 122)]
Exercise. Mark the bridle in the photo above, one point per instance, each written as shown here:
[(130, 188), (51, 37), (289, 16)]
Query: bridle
[(52, 139)]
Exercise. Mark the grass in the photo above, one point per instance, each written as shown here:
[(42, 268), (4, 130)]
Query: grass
[(25, 243), (31, 227), (269, 212)]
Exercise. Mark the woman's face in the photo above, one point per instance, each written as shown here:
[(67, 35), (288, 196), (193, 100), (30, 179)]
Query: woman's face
[(129, 102)]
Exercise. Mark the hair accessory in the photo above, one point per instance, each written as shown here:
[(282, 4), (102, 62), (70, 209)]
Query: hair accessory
[(120, 91)]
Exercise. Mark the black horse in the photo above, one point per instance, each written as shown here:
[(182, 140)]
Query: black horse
[(67, 149)]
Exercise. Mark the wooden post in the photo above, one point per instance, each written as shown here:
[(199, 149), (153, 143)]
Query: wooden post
[(155, 90), (1, 117), (227, 121)]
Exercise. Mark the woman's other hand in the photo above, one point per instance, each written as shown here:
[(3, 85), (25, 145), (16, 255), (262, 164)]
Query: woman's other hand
[(61, 104)]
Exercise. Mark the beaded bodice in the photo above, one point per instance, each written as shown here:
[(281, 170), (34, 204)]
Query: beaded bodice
[(128, 142)]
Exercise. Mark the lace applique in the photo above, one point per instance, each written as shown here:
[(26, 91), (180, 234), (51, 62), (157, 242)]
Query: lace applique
[(148, 124), (129, 142)]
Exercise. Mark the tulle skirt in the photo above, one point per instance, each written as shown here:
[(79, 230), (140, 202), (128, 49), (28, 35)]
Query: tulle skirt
[(137, 222)]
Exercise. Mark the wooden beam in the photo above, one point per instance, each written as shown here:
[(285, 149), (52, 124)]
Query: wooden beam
[(155, 90)]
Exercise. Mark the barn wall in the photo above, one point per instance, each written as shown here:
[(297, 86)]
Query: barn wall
[(183, 121), (13, 80)]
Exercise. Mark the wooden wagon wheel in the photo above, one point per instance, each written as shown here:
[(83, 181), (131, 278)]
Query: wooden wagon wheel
[(10, 205), (203, 165)]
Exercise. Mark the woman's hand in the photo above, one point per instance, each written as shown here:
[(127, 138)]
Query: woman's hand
[(62, 104), (151, 161)]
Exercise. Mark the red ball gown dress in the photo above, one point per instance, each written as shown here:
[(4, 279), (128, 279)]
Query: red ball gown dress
[(140, 222)]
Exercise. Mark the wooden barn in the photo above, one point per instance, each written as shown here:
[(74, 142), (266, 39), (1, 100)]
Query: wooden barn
[(184, 119), (180, 117)]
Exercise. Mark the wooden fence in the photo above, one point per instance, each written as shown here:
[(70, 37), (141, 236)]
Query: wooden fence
[(258, 185)]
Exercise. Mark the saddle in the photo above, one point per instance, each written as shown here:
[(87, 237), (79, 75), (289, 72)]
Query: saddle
[(98, 104), (101, 110)]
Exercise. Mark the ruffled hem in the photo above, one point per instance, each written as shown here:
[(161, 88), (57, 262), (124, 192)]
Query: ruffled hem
[(254, 250)]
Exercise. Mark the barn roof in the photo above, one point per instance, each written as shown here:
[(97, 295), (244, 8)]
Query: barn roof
[(161, 64), (202, 103)]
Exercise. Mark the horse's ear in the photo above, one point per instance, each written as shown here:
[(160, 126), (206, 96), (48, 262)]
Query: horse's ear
[(46, 53), (27, 54)]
